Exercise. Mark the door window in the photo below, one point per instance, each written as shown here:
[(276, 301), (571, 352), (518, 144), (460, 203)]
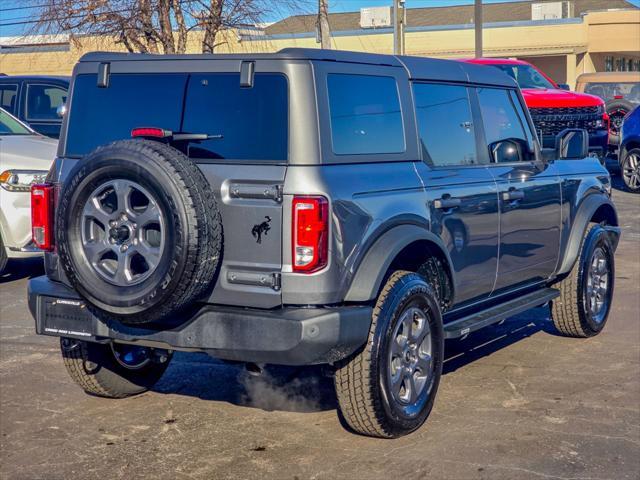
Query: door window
[(8, 97), (43, 102), (365, 114), (445, 124), (502, 124)]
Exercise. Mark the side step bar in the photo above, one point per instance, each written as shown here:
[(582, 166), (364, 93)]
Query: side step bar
[(476, 321)]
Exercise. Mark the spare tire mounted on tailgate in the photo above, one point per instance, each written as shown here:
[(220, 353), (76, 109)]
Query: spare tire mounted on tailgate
[(138, 230)]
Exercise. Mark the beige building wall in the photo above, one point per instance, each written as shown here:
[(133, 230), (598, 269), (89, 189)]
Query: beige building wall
[(563, 50)]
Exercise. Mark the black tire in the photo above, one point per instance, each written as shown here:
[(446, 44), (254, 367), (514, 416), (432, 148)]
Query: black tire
[(4, 259), (94, 367), (192, 230), (617, 109), (570, 312), (630, 170), (363, 384)]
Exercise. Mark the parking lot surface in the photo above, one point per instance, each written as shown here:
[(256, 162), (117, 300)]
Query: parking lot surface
[(516, 401)]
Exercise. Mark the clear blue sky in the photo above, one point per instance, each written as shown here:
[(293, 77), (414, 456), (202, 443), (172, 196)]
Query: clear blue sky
[(20, 14)]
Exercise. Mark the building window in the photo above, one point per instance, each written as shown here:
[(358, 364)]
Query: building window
[(608, 64)]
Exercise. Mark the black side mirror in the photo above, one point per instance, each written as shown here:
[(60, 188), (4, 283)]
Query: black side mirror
[(564, 86), (572, 143), (506, 151)]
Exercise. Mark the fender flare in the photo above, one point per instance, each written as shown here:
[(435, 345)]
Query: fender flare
[(585, 213), (370, 273)]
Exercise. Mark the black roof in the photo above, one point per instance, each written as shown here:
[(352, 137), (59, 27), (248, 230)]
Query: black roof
[(418, 68)]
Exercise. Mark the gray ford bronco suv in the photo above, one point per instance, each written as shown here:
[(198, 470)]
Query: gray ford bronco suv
[(310, 207)]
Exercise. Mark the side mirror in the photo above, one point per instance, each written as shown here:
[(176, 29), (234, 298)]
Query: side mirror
[(506, 151), (61, 110), (572, 143), (564, 86)]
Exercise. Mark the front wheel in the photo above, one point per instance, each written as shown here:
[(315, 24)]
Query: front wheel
[(586, 293), (631, 170), (388, 389), (113, 370)]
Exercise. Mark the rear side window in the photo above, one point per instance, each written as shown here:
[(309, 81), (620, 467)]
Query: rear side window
[(43, 102), (8, 97), (247, 123), (445, 124), (365, 115), (103, 115)]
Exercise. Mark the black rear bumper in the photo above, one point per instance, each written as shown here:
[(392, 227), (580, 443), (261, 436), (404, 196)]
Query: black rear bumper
[(285, 336)]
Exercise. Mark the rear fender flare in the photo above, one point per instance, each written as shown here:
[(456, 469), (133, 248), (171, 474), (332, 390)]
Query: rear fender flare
[(579, 226), (370, 274)]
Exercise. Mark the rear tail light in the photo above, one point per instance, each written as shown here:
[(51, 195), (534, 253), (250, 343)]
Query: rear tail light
[(310, 233), (150, 132), (42, 215)]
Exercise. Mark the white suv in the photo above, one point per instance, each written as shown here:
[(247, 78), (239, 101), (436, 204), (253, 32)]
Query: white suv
[(25, 158)]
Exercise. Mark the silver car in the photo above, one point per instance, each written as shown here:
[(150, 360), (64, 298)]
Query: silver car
[(25, 158)]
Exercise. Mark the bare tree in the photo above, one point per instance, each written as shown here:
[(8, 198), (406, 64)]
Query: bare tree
[(155, 26)]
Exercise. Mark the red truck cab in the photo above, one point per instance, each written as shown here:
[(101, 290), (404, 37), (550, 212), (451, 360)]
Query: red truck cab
[(553, 108)]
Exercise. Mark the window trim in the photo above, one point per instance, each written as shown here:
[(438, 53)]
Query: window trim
[(26, 103), (320, 71), (17, 96)]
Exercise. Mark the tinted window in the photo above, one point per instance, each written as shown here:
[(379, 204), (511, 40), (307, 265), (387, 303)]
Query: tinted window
[(500, 119), (445, 124), (102, 115), (365, 114), (8, 97), (252, 122), (43, 102)]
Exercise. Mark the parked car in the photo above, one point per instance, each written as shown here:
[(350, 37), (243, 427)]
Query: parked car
[(619, 90), (554, 108), (36, 100), (310, 207), (630, 150), (25, 158)]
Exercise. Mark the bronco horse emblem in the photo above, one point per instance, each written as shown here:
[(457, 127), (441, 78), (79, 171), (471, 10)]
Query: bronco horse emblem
[(259, 229)]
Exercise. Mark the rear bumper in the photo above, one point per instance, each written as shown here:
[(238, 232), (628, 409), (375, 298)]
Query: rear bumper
[(285, 336)]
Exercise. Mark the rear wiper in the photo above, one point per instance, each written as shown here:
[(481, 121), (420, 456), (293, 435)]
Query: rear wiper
[(194, 137), (168, 135)]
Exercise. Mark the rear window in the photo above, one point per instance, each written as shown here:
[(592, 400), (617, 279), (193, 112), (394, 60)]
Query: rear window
[(103, 115), (629, 91), (249, 124)]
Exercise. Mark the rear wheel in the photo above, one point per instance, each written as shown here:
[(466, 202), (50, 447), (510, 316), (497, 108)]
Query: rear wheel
[(631, 170), (388, 389), (113, 370), (586, 293)]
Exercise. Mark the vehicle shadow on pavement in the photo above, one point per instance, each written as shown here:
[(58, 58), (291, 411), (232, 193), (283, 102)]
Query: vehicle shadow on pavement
[(310, 389), (18, 269)]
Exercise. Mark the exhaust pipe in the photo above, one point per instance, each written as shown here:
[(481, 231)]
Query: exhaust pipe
[(254, 369)]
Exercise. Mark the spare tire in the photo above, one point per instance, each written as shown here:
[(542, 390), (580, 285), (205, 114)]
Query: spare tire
[(138, 231), (617, 109)]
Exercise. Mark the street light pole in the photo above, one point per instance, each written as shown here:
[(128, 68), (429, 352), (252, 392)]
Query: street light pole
[(477, 15), (399, 20)]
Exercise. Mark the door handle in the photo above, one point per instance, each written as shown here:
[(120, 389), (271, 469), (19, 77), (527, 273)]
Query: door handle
[(447, 203), (513, 195)]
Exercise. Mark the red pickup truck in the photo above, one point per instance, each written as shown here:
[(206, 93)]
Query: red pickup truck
[(554, 108)]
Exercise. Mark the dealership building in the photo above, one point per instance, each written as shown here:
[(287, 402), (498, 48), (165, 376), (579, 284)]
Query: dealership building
[(563, 38)]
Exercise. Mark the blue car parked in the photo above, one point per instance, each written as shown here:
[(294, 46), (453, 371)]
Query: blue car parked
[(630, 151)]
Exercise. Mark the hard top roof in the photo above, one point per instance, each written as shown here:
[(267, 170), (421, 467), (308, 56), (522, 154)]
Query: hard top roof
[(418, 68)]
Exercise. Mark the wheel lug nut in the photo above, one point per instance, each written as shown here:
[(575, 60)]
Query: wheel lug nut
[(113, 223), (124, 248)]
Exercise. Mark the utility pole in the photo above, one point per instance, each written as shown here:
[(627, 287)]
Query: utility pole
[(399, 21), (322, 25), (477, 16)]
